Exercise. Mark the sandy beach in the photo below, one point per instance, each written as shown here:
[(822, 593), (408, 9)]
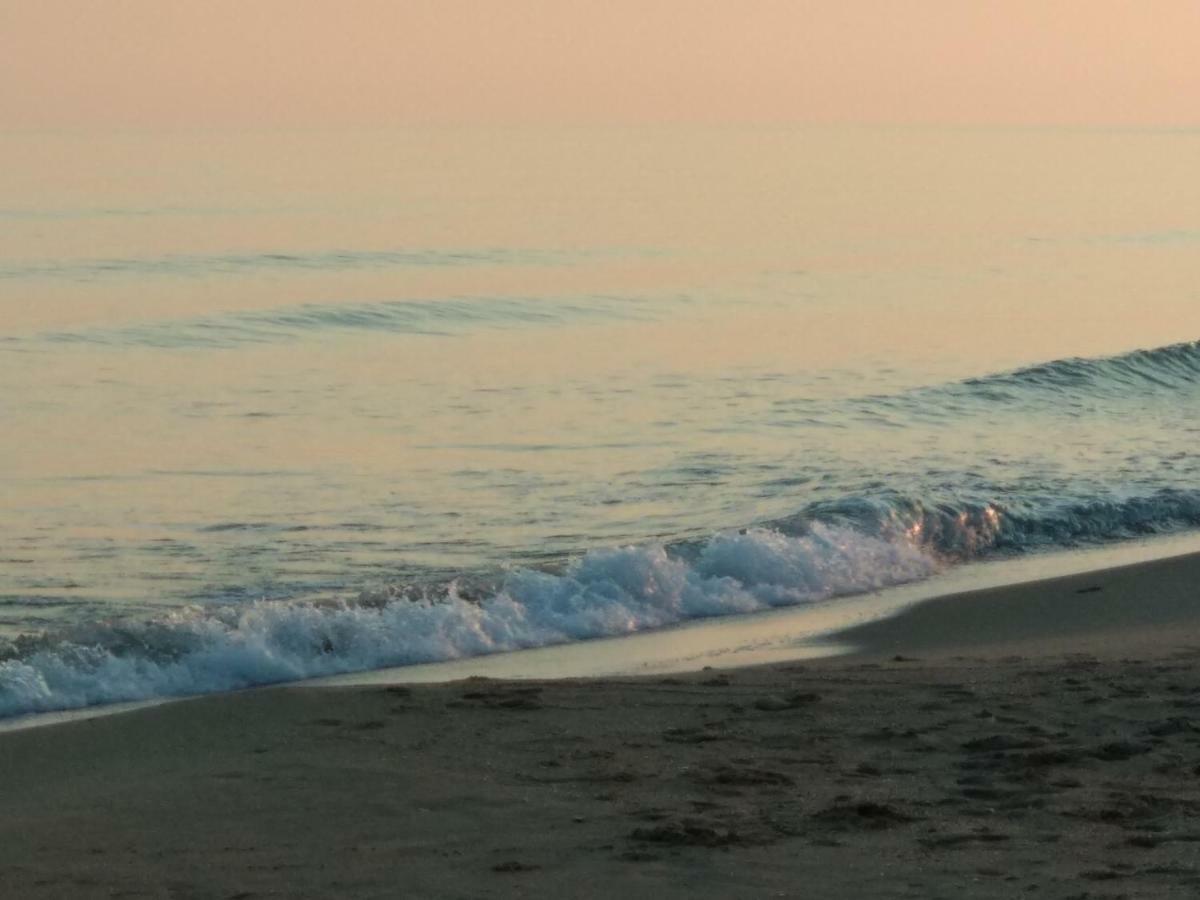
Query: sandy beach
[(1036, 740)]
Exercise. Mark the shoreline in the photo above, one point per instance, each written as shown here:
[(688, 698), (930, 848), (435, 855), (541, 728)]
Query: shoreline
[(960, 752)]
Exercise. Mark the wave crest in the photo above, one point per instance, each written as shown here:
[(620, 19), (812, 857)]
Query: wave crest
[(604, 593), (1160, 368)]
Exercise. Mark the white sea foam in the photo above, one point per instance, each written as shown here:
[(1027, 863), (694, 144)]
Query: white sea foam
[(604, 593)]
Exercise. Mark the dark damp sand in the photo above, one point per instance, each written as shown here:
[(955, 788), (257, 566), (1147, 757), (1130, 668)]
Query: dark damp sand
[(1041, 740)]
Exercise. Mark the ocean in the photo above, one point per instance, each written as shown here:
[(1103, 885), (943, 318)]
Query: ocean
[(280, 405)]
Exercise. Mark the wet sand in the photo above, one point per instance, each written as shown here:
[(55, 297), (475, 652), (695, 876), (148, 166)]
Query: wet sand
[(1040, 740)]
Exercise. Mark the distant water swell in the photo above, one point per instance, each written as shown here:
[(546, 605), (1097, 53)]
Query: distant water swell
[(828, 551), (183, 265), (427, 317)]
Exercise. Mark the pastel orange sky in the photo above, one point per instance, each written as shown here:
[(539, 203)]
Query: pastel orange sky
[(153, 63)]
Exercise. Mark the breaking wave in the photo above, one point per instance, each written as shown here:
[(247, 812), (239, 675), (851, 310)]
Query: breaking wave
[(829, 550), (605, 593)]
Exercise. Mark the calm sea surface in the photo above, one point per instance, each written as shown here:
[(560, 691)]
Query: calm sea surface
[(281, 405)]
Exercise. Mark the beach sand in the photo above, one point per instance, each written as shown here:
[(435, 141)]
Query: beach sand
[(1040, 740)]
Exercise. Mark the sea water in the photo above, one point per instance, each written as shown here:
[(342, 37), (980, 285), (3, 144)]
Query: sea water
[(279, 405)]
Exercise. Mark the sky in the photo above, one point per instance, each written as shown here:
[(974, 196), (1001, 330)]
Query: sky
[(319, 63)]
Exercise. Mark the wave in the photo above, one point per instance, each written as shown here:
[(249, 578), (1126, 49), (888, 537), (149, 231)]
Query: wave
[(828, 550), (1070, 387), (960, 530), (428, 317), (1160, 368), (131, 212), (859, 541), (605, 593), (183, 265)]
